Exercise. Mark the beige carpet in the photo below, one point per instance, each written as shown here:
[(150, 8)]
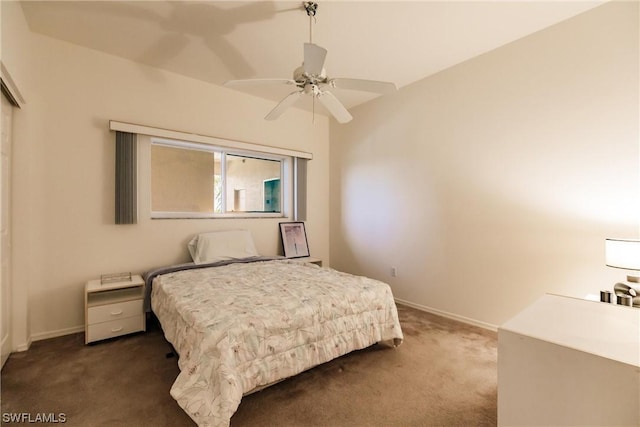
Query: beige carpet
[(444, 374)]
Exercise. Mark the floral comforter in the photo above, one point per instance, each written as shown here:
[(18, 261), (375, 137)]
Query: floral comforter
[(239, 327)]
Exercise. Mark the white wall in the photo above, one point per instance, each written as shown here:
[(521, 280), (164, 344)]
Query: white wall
[(497, 180), (64, 169)]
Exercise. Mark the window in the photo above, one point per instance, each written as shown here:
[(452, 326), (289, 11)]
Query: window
[(193, 180)]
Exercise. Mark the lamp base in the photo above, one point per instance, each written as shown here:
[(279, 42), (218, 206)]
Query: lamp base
[(629, 288)]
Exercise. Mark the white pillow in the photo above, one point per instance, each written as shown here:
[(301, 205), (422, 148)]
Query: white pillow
[(221, 245)]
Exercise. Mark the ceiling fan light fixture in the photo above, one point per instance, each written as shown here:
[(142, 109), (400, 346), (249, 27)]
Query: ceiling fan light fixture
[(311, 79)]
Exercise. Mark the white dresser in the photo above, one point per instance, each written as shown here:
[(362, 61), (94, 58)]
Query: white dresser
[(113, 309), (570, 362)]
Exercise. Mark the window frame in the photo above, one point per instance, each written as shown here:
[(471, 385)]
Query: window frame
[(286, 177)]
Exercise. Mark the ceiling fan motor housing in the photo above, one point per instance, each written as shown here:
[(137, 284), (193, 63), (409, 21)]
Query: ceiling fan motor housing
[(301, 77)]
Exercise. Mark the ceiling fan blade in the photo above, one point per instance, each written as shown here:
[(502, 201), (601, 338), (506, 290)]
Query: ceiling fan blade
[(287, 102), (335, 107), (364, 85), (314, 56), (251, 82)]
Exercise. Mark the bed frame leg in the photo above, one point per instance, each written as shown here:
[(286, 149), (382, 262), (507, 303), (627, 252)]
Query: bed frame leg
[(172, 351)]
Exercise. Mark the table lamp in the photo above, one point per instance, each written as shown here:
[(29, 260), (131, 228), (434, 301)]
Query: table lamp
[(625, 254)]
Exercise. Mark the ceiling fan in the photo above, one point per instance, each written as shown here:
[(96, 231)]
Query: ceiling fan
[(311, 79)]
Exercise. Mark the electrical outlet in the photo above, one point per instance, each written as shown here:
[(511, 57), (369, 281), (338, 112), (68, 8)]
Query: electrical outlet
[(394, 272)]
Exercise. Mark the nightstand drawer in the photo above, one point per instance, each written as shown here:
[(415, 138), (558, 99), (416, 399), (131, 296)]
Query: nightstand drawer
[(108, 312), (115, 328)]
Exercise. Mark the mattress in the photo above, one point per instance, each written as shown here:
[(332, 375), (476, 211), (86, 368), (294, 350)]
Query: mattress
[(242, 326)]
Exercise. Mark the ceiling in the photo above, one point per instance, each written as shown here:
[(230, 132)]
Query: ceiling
[(397, 41)]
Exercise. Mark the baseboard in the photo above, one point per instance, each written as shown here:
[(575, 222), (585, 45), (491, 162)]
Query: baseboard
[(448, 315), (24, 346), (57, 333), (46, 335)]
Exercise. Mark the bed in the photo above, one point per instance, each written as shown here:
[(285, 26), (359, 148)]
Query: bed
[(242, 323)]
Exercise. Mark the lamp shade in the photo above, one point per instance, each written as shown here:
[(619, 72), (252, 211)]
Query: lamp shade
[(623, 254)]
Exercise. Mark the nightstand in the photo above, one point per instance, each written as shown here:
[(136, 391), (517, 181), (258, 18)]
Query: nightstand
[(113, 309), (310, 259)]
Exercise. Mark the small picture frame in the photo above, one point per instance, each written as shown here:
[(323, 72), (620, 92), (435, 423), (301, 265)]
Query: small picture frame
[(294, 239)]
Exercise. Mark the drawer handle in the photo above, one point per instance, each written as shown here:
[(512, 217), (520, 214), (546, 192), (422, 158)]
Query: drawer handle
[(116, 313), (117, 329)]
